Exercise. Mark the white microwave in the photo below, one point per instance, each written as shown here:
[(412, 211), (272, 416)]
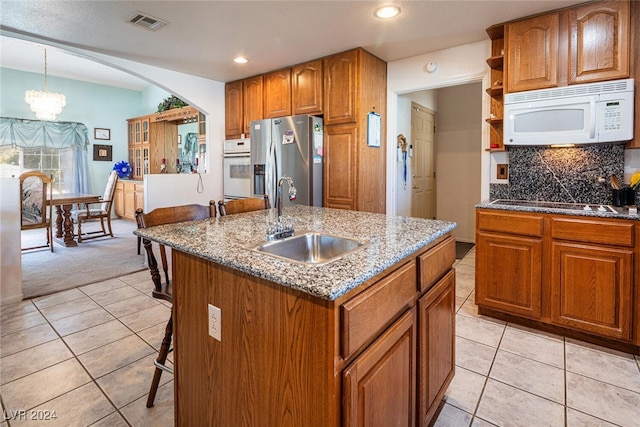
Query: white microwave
[(578, 114)]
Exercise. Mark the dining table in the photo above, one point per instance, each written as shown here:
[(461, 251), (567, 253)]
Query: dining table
[(62, 202)]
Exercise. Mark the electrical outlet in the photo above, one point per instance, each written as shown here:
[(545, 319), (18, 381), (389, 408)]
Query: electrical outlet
[(214, 322), (502, 171)]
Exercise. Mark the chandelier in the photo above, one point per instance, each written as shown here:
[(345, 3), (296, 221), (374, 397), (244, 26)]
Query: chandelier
[(45, 104)]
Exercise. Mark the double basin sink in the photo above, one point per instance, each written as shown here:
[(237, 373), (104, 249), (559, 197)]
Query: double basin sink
[(309, 247)]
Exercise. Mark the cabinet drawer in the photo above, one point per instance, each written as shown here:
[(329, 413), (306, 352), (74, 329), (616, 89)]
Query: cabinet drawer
[(500, 221), (593, 231), (435, 263), (366, 315)]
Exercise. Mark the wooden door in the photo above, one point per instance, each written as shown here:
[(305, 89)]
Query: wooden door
[(307, 88), (509, 273), (341, 88), (233, 119), (592, 289), (532, 53), (340, 166), (599, 42), (379, 386), (422, 162), (436, 345), (251, 102), (277, 94)]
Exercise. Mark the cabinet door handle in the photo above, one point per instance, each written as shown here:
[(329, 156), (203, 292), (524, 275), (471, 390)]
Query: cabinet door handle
[(415, 187)]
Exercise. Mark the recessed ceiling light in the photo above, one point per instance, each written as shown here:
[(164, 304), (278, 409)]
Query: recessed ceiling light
[(387, 12), (240, 60)]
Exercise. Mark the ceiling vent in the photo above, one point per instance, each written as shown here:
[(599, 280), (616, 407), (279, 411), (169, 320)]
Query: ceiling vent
[(146, 21)]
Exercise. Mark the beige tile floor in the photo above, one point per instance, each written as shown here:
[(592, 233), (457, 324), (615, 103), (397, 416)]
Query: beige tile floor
[(87, 354)]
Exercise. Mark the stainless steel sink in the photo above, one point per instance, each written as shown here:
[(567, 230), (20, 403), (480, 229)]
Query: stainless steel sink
[(308, 247)]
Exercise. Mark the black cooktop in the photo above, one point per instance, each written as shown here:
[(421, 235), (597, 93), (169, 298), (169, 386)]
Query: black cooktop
[(554, 205)]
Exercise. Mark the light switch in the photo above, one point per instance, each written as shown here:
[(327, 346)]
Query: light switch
[(502, 171)]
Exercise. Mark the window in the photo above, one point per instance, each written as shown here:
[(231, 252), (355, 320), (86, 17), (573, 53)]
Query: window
[(16, 161)]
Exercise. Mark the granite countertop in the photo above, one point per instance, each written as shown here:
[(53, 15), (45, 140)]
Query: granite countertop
[(222, 240), (620, 212)]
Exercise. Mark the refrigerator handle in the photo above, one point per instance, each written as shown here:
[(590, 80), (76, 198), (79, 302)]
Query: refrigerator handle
[(271, 172)]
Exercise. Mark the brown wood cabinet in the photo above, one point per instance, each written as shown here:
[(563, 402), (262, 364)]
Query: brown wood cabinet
[(599, 41), (592, 276), (307, 88), (355, 85), (383, 376), (243, 104), (516, 288), (251, 102), (341, 88), (531, 47), (288, 358), (277, 94), (129, 196), (573, 274), (436, 344), (233, 118)]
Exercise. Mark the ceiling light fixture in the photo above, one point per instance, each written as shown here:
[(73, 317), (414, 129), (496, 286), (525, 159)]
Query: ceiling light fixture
[(387, 12), (46, 105), (240, 60)]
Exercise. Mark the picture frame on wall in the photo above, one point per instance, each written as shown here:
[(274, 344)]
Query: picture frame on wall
[(102, 133), (102, 153)]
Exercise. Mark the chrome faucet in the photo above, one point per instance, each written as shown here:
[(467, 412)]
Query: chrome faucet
[(279, 230), (292, 194)]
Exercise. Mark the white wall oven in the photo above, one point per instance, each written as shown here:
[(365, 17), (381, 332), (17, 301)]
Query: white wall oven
[(236, 167)]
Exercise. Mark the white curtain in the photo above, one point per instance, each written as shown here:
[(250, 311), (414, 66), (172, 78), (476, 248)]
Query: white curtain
[(71, 138)]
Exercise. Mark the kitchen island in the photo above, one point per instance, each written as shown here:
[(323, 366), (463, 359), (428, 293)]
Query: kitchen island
[(367, 339)]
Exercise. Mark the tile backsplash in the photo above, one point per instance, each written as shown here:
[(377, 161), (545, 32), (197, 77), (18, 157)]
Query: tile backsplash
[(562, 174)]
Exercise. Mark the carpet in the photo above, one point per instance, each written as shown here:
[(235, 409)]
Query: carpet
[(462, 248), (44, 272)]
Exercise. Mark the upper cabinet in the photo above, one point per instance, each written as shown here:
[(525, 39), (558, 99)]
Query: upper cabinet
[(580, 44), (307, 88), (599, 42), (277, 94), (532, 53), (341, 80), (233, 118), (251, 101)]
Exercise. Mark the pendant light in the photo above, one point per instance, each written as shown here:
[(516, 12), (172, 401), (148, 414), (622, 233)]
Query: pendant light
[(46, 105)]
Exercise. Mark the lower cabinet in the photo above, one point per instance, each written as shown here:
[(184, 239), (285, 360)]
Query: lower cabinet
[(510, 270), (129, 196), (379, 386), (592, 289), (436, 345), (573, 274)]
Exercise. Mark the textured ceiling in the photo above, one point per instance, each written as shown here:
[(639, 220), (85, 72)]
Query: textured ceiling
[(203, 37)]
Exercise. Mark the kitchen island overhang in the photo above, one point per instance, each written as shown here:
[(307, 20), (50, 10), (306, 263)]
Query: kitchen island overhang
[(297, 342)]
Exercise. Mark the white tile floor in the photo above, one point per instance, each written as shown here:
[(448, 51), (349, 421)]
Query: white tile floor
[(87, 355)]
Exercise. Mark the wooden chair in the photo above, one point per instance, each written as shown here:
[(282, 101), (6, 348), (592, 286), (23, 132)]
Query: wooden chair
[(36, 189), (162, 288), (243, 205), (101, 211)]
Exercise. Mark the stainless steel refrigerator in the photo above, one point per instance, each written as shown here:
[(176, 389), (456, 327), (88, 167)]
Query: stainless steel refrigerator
[(287, 146)]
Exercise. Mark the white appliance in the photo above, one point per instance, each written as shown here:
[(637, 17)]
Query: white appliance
[(578, 114), (236, 166)]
